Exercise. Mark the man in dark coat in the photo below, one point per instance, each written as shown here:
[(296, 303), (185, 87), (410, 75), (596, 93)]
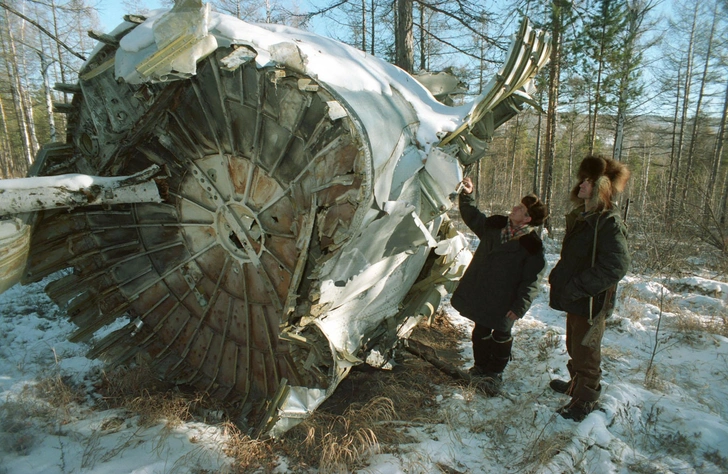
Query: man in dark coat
[(594, 258), (501, 280)]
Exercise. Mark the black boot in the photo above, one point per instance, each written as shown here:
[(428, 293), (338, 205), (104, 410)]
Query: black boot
[(482, 350), (501, 354), (576, 409), (561, 386)]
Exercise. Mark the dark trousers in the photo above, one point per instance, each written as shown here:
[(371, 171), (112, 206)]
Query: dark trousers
[(584, 361), (491, 348)]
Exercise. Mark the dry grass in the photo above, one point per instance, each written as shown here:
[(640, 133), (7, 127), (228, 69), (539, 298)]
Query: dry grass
[(691, 324), (547, 344), (543, 449), (249, 454), (371, 409), (654, 380), (138, 390)]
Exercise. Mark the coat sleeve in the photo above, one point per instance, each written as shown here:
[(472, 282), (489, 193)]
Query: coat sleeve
[(610, 266), (472, 217), (527, 290)]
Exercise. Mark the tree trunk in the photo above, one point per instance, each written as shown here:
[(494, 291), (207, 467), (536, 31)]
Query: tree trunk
[(371, 50), (363, 25), (516, 131), (646, 160), (717, 154), (25, 93), (685, 108), (423, 41), (404, 36), (698, 107), (44, 66), (16, 92), (674, 157), (557, 16), (6, 159), (537, 159)]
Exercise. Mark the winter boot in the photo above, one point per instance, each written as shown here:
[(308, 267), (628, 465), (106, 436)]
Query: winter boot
[(482, 350), (561, 386), (576, 409), (501, 354)]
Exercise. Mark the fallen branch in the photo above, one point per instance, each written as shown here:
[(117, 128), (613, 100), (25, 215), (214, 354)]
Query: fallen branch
[(425, 352)]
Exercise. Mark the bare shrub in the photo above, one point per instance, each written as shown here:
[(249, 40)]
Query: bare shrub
[(548, 343), (653, 379)]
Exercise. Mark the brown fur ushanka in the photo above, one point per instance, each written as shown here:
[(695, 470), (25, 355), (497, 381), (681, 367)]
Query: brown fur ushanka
[(609, 177)]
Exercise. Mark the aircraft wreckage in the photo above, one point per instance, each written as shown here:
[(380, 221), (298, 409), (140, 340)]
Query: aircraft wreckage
[(256, 207)]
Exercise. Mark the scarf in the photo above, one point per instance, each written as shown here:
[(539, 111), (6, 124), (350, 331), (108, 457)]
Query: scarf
[(509, 232)]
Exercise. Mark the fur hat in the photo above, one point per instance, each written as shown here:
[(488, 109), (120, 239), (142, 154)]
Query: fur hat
[(536, 209), (608, 176)]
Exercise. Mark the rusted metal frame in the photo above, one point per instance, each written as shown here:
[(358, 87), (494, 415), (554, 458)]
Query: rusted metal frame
[(269, 419), (241, 232), (249, 182), (156, 226), (277, 260), (64, 240), (203, 316), (115, 263), (220, 90), (206, 113), (194, 376), (342, 179), (193, 146), (192, 201), (165, 349), (259, 117), (161, 278), (293, 369), (318, 130), (248, 345), (108, 341), (278, 234), (223, 338), (300, 175), (237, 225), (108, 316), (235, 376), (271, 352), (299, 118), (239, 229), (305, 233), (149, 339)]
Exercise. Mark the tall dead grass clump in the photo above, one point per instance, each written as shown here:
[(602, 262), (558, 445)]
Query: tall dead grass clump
[(340, 443), (250, 455)]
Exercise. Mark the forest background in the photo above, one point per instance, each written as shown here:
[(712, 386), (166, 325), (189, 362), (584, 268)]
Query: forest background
[(642, 81)]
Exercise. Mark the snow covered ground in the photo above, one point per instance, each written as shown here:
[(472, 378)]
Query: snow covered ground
[(674, 419)]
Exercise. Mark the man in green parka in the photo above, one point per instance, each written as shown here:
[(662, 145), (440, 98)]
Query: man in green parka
[(501, 280), (594, 258)]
